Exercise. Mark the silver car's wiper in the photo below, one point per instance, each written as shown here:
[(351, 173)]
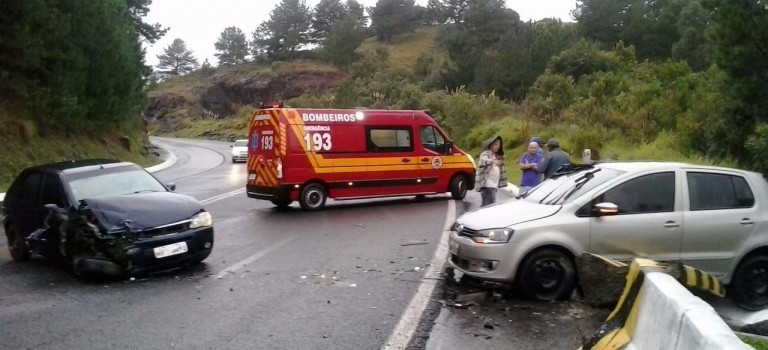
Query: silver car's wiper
[(580, 182)]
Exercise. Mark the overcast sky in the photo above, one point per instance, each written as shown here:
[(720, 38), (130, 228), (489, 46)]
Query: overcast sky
[(200, 22)]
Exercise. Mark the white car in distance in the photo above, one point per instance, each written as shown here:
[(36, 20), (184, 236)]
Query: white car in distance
[(239, 151)]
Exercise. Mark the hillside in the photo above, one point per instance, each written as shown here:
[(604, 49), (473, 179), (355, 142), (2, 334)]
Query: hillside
[(215, 104), (31, 146)]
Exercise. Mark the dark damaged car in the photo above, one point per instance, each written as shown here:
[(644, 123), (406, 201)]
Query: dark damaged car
[(104, 218)]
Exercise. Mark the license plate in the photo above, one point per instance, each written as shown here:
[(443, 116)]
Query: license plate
[(171, 249), (453, 247)]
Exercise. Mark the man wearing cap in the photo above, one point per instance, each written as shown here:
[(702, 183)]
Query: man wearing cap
[(554, 160)]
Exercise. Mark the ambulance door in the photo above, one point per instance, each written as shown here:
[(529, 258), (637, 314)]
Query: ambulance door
[(393, 165), (264, 156), (432, 150)]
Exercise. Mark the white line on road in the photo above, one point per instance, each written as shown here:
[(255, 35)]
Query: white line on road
[(408, 323), (222, 196), (260, 254)]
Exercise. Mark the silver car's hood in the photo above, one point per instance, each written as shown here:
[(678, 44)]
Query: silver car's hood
[(506, 214)]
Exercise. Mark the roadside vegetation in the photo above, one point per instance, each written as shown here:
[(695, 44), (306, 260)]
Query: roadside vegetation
[(602, 82), (673, 80), (72, 82), (754, 342)]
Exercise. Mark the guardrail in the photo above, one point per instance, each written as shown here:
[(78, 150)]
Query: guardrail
[(655, 311)]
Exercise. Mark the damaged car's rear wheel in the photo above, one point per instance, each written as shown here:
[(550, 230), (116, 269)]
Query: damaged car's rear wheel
[(16, 244)]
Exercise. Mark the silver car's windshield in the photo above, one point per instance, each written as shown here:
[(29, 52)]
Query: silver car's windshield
[(241, 143), (114, 183), (566, 188)]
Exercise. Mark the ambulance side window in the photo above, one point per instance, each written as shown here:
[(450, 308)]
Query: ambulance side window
[(432, 139), (389, 139)]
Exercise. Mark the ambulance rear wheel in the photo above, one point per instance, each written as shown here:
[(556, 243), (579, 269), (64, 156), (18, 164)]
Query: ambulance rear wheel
[(458, 187), (281, 203), (313, 197)]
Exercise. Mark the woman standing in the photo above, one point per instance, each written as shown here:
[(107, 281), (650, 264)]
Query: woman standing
[(491, 173)]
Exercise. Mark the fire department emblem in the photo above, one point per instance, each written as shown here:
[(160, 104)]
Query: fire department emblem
[(437, 162)]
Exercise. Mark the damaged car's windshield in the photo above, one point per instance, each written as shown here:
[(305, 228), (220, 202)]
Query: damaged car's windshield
[(115, 182), (568, 187)]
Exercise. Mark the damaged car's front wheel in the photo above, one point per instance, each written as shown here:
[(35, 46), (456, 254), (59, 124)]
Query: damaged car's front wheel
[(16, 244)]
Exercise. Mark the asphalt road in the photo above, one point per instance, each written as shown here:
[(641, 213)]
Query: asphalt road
[(336, 279), (341, 278)]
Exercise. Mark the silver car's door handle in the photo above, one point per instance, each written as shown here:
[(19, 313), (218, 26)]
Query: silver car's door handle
[(671, 224), (746, 221)]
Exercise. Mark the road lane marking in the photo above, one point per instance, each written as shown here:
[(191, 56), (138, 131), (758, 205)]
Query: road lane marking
[(408, 323), (260, 254), (222, 196)]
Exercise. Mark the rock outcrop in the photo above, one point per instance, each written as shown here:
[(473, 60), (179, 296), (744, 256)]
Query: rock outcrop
[(224, 92)]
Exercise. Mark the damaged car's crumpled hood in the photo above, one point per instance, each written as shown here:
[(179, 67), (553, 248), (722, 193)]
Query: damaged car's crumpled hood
[(143, 210)]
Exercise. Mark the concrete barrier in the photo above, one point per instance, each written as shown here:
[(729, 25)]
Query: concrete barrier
[(655, 311)]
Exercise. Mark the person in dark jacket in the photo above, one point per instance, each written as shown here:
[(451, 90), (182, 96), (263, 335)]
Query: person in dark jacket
[(554, 160), (491, 172)]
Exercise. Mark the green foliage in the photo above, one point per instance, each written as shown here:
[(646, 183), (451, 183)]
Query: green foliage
[(694, 47), (231, 47), (585, 57), (325, 14), (176, 59), (393, 17), (550, 95), (286, 30), (344, 37), (741, 41), (650, 26), (137, 9)]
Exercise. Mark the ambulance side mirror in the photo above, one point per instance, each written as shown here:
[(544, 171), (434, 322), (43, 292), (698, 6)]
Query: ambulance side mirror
[(449, 147)]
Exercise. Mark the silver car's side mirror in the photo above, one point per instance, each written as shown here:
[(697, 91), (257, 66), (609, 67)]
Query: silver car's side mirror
[(171, 186), (607, 209)]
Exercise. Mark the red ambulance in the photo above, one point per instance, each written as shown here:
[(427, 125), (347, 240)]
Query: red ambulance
[(310, 155)]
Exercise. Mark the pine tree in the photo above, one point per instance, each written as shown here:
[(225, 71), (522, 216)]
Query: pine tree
[(176, 59), (232, 47)]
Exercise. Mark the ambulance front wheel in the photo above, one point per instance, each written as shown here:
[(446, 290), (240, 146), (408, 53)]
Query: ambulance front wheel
[(458, 187), (313, 196)]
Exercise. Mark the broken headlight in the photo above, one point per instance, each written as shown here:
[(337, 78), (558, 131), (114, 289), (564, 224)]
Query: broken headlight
[(497, 235), (202, 219)]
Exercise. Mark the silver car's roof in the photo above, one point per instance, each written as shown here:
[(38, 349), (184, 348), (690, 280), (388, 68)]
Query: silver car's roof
[(645, 166)]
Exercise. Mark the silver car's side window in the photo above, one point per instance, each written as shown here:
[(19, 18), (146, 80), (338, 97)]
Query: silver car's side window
[(708, 191), (653, 193)]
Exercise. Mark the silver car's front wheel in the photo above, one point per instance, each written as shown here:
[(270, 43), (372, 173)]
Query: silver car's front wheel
[(546, 275)]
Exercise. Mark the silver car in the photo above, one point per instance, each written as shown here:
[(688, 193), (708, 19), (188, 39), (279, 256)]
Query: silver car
[(239, 151), (711, 218)]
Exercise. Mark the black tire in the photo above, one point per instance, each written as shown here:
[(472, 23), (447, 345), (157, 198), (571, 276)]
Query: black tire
[(546, 275), (198, 259), (458, 187), (749, 286), (313, 197), (282, 203), (17, 245)]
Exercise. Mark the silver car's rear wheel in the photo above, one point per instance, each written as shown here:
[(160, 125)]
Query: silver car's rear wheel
[(750, 283)]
